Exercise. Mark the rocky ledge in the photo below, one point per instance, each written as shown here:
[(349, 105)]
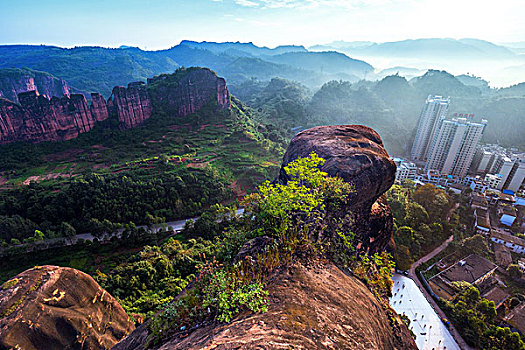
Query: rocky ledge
[(311, 307), (52, 307), (317, 306)]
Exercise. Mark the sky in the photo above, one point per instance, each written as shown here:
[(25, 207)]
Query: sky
[(159, 24)]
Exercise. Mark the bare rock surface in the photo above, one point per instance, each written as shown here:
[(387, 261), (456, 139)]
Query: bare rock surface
[(52, 307), (311, 307)]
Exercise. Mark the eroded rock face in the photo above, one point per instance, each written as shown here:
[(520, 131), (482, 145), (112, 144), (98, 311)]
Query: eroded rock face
[(51, 307), (190, 92), (38, 119), (131, 105), (356, 154), (22, 81)]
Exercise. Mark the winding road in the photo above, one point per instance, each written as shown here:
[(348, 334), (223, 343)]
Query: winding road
[(412, 275)]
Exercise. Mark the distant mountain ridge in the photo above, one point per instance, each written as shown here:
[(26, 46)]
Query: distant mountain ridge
[(99, 69), (445, 47), (248, 48)]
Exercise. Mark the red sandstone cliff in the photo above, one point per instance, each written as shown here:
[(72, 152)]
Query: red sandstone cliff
[(187, 91), (131, 105), (38, 119), (14, 81)]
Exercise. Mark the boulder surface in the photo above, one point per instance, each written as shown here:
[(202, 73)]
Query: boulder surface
[(51, 307)]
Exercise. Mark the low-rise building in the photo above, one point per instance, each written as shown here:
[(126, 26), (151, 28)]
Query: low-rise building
[(497, 295), (516, 318), (482, 221), (503, 256), (516, 244), (405, 170), (478, 200), (473, 269), (493, 180)]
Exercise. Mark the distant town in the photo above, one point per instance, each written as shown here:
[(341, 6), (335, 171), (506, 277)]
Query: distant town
[(448, 154)]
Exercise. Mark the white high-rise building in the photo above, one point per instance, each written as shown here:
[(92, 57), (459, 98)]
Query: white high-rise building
[(512, 171), (436, 107), (454, 146)]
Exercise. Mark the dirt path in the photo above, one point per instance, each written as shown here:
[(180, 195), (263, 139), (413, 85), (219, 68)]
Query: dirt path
[(412, 274)]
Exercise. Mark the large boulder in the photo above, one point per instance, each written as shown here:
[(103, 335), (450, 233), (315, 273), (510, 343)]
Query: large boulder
[(51, 307), (357, 155)]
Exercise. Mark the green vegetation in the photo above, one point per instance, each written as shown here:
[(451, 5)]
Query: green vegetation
[(391, 106), (415, 231), (288, 215), (474, 317), (88, 203), (169, 169)]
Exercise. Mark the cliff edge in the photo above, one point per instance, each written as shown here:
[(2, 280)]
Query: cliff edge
[(36, 118)]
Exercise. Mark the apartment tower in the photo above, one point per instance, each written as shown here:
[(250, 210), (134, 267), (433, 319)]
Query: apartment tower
[(435, 109), (454, 146)]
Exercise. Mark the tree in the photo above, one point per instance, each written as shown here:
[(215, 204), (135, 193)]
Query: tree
[(514, 271), (39, 235), (476, 244), (415, 215), (434, 200), (403, 258), (404, 235), (66, 230)]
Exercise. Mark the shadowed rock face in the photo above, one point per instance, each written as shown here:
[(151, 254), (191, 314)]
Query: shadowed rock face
[(131, 105), (11, 86), (190, 92), (51, 307), (356, 154)]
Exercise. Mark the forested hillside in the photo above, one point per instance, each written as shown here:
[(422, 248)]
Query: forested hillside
[(392, 105), (173, 166)]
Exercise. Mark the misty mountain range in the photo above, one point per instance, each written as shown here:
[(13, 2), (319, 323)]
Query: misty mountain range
[(99, 69)]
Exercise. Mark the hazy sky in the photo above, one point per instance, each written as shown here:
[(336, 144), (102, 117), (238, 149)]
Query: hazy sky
[(155, 24)]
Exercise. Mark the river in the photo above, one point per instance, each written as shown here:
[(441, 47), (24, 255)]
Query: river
[(431, 333)]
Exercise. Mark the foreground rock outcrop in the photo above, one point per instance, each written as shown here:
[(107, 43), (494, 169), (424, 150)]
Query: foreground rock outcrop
[(36, 118), (311, 307), (357, 155), (51, 307), (316, 305)]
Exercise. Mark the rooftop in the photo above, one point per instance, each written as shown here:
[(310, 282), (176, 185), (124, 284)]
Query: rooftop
[(469, 269), (507, 220), (516, 318), (479, 199), (497, 295), (508, 238), (482, 217)]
